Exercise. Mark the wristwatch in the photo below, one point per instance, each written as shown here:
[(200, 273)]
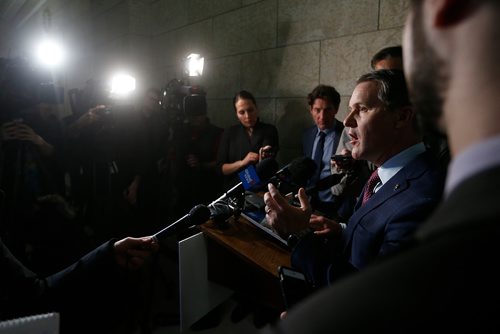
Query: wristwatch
[(294, 238)]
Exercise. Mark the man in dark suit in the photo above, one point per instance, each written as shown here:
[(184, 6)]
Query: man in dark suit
[(408, 186), (320, 141), (448, 280)]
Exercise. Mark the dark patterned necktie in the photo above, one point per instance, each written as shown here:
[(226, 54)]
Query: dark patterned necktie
[(370, 186), (318, 154)]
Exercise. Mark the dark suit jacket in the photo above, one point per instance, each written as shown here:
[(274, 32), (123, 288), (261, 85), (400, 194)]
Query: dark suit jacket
[(378, 228), (235, 145), (308, 138), (310, 134), (447, 282)]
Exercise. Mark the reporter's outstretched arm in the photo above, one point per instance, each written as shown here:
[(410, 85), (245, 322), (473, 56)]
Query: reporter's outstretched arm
[(130, 253)]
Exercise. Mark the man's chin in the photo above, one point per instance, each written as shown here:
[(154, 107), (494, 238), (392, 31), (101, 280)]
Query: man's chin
[(356, 155)]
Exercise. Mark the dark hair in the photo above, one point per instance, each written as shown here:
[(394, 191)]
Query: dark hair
[(324, 92), (243, 95), (389, 52), (392, 90)]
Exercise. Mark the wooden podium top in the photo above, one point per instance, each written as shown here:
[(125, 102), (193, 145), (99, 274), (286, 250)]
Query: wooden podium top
[(249, 243)]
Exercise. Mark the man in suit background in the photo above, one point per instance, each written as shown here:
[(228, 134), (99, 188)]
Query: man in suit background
[(448, 280), (320, 141), (383, 130)]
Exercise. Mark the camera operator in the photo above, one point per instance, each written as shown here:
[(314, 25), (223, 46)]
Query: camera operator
[(105, 156), (199, 182), (146, 187)]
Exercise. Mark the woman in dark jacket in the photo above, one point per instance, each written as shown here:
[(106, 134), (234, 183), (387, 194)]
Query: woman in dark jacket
[(246, 143)]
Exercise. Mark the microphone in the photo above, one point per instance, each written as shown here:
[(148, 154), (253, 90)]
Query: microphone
[(265, 169), (232, 201), (199, 214), (294, 175), (301, 170), (220, 211), (324, 183)]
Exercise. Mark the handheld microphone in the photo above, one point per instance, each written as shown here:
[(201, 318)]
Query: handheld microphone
[(265, 169), (324, 183), (294, 175), (196, 216)]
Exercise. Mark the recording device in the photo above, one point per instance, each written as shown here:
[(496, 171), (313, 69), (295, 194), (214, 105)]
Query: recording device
[(287, 179), (233, 201), (294, 286), (264, 170), (181, 100), (342, 159), (196, 216), (324, 183), (220, 211), (294, 175), (269, 152)]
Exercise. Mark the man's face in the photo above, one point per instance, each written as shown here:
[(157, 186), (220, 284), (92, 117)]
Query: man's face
[(323, 113), (372, 125), (425, 73)]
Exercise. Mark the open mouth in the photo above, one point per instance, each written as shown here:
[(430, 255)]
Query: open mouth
[(354, 138)]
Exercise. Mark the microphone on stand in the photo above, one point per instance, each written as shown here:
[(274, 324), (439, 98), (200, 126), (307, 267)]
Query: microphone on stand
[(233, 200), (196, 216), (251, 178)]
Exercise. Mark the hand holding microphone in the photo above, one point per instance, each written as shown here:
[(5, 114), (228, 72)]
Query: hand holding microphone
[(196, 216)]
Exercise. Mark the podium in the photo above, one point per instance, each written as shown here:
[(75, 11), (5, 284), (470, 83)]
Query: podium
[(221, 260)]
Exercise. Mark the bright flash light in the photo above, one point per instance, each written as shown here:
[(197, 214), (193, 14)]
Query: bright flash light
[(194, 65), (122, 84), (50, 53)]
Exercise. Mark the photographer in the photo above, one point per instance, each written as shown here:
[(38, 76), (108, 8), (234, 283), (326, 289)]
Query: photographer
[(104, 157), (32, 177), (199, 181)]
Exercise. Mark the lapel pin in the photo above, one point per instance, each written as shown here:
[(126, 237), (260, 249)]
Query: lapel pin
[(396, 187)]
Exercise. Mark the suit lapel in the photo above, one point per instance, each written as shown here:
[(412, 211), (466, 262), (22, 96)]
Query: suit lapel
[(310, 141), (397, 184)]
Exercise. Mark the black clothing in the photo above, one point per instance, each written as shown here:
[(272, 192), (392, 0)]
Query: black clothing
[(447, 280), (199, 184), (154, 132), (103, 159), (34, 204), (235, 144), (68, 292)]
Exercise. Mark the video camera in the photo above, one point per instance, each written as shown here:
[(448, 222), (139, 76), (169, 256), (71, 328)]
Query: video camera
[(181, 101), (23, 86)]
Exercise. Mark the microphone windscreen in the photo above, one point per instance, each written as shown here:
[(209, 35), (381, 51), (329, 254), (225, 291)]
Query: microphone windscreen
[(301, 170), (199, 214), (329, 181), (266, 169)]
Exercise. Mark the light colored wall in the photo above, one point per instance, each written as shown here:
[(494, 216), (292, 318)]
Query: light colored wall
[(277, 49)]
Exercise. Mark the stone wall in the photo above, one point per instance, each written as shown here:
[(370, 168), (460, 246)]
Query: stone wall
[(277, 49)]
